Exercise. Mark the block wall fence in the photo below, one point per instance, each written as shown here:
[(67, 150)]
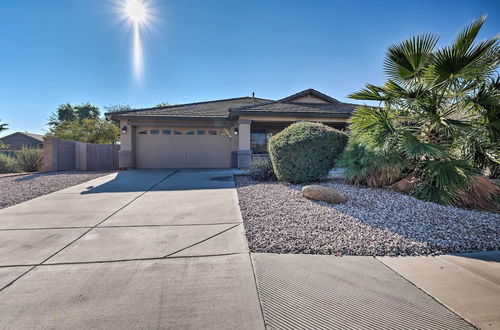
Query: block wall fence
[(63, 155)]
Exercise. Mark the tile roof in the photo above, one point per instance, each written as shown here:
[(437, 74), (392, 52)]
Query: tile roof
[(226, 108), (338, 109), (34, 135), (208, 109)]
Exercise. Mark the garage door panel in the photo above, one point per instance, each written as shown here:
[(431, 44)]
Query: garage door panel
[(182, 151)]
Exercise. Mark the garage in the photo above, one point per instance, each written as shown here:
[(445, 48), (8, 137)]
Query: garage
[(171, 147)]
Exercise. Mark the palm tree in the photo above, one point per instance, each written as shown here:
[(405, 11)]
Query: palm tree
[(439, 116), (4, 127)]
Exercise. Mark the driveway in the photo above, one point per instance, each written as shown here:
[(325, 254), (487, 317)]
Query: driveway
[(166, 249), (137, 249)]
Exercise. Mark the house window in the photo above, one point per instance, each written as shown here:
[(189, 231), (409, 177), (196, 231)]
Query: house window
[(143, 132), (166, 131), (154, 131), (190, 133), (177, 133), (212, 132), (258, 140), (200, 132)]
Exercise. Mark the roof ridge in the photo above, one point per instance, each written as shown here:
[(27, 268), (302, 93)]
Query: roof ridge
[(35, 136), (184, 104), (311, 91)]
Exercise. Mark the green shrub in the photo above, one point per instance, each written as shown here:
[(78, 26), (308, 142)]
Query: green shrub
[(305, 152), (30, 159), (371, 168), (261, 169), (7, 164)]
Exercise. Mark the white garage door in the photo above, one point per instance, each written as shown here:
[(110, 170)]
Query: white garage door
[(182, 147)]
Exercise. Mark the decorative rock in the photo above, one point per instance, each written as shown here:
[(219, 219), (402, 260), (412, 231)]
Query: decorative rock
[(375, 222), (323, 193)]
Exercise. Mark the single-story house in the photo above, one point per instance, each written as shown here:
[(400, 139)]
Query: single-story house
[(220, 133), (18, 140)]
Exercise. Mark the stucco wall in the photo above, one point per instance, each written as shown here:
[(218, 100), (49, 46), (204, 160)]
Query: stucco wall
[(309, 99)]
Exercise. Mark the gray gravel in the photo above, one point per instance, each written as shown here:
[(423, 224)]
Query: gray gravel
[(18, 189), (379, 222)]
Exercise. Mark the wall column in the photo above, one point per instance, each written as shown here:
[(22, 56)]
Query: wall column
[(244, 152), (126, 153)]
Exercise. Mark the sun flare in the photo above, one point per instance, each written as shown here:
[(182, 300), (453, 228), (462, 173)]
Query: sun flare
[(136, 11), (138, 16)]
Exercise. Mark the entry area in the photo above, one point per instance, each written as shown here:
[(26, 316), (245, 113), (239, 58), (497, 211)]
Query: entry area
[(166, 147)]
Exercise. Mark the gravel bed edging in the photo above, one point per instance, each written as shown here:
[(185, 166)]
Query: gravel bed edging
[(374, 222), (9, 175), (21, 188)]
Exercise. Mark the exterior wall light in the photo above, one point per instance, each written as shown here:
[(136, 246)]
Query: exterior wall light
[(124, 130)]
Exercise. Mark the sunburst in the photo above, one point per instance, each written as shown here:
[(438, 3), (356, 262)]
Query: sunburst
[(138, 15)]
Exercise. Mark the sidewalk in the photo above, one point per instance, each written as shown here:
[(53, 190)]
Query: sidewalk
[(468, 284)]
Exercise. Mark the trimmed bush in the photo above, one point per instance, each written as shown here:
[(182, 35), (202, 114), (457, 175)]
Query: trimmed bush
[(261, 169), (305, 152), (30, 159), (7, 164)]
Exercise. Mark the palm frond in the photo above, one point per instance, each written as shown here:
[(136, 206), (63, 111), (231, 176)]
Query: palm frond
[(409, 58), (449, 64), (370, 92), (413, 148), (375, 126), (444, 179), (465, 38), (4, 127)]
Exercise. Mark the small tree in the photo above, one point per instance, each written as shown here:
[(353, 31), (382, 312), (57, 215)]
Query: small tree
[(117, 108), (3, 127), (87, 111), (63, 113), (82, 123), (87, 130)]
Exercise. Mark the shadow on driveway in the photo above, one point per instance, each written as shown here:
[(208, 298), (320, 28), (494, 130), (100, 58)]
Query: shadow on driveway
[(166, 179)]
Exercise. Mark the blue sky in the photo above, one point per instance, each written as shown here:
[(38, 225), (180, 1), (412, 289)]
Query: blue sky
[(59, 51)]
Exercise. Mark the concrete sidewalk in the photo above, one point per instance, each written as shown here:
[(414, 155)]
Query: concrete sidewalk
[(468, 284), (138, 249)]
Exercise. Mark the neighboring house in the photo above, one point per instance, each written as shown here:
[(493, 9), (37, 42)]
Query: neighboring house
[(18, 140), (220, 133)]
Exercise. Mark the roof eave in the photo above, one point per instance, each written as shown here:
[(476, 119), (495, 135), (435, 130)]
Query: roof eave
[(160, 117)]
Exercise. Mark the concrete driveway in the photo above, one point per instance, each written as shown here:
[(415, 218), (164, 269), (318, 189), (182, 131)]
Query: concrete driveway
[(137, 249)]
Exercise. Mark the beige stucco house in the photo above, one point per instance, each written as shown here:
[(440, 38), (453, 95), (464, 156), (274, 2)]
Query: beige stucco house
[(220, 133)]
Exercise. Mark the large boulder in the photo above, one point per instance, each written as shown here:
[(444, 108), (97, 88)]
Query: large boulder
[(322, 193)]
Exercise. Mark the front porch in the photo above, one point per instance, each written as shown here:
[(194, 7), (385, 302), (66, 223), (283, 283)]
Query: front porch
[(253, 136)]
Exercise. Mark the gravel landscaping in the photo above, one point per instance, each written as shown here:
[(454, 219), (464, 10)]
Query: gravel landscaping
[(18, 189), (379, 222)]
